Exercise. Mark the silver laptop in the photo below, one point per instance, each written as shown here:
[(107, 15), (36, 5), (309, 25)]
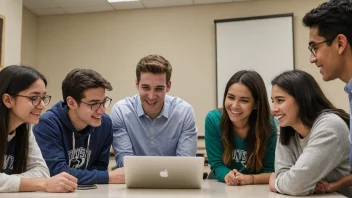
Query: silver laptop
[(163, 172)]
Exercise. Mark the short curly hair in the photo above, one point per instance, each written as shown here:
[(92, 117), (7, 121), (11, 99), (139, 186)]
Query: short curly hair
[(331, 18), (79, 80)]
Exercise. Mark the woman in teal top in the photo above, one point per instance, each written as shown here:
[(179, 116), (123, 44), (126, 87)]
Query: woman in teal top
[(241, 138)]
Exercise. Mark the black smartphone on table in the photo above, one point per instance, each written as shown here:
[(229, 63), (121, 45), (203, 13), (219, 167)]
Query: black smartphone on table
[(87, 187)]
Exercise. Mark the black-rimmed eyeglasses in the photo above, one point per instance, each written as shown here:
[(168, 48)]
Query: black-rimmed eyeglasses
[(95, 106), (36, 100), (312, 46)]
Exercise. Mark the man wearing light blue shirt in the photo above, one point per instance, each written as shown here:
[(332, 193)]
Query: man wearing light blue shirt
[(153, 123), (330, 44)]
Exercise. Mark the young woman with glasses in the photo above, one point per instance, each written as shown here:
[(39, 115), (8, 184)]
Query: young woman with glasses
[(22, 167)]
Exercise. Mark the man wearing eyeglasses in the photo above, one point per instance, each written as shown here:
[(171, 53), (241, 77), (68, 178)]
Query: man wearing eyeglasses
[(330, 42), (75, 135)]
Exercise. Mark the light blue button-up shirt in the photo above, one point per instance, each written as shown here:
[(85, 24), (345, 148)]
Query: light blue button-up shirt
[(172, 133), (348, 90)]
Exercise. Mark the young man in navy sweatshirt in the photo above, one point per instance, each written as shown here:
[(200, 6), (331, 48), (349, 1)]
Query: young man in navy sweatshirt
[(75, 135)]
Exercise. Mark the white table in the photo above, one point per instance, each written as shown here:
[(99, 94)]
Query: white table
[(210, 189)]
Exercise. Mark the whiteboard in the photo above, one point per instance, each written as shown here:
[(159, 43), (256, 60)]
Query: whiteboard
[(263, 44)]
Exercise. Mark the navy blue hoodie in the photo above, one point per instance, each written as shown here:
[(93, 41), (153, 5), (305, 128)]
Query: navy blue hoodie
[(83, 154)]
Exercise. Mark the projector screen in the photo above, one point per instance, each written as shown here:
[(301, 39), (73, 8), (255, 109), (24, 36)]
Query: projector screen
[(263, 44)]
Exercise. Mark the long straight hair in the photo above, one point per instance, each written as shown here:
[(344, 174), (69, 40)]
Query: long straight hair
[(310, 100), (259, 121), (14, 79)]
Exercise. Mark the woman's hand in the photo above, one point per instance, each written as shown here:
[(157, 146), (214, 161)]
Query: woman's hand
[(236, 178), (319, 188), (230, 178), (325, 187), (243, 179), (62, 182)]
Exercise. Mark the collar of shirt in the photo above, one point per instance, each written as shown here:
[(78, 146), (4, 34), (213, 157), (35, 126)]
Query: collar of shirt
[(348, 87), (164, 112), (9, 137)]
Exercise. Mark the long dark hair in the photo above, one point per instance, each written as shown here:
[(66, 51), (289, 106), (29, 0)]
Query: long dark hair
[(309, 97), (14, 79), (259, 121)]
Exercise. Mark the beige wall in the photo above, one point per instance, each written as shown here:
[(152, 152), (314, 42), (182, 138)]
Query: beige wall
[(29, 38), (113, 42), (12, 11)]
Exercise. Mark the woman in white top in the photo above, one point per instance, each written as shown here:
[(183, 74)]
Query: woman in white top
[(22, 167)]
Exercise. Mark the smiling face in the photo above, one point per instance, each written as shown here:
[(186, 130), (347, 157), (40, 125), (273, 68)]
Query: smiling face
[(82, 115), (152, 90), (21, 108), (327, 58), (284, 107), (239, 104)]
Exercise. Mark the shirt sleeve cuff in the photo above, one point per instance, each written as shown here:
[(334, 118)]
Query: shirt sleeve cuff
[(103, 177), (276, 186)]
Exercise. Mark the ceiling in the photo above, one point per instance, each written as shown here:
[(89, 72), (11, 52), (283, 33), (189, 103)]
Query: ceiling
[(52, 7)]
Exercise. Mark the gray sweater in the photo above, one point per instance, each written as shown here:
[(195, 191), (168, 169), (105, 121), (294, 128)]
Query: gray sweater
[(36, 168), (324, 154)]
